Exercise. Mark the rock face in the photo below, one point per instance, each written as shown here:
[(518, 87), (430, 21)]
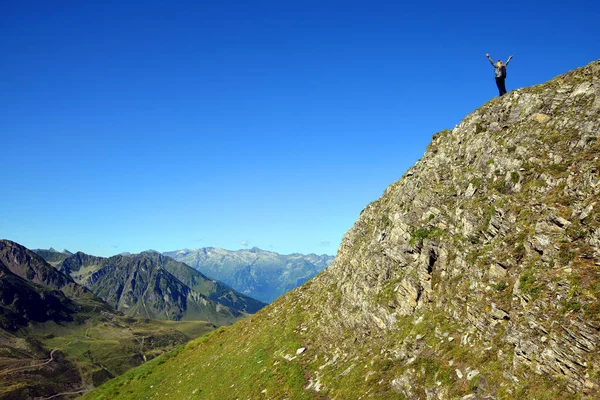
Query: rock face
[(263, 275), (496, 228), (476, 275), (154, 286)]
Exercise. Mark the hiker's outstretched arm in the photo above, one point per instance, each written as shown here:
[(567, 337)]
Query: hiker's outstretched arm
[(490, 60), (509, 58)]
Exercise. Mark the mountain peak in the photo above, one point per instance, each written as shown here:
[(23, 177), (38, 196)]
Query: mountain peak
[(152, 285), (30, 266), (261, 274), (473, 276)]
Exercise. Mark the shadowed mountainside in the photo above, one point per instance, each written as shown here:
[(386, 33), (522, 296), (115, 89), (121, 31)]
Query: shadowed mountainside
[(58, 337), (154, 286)]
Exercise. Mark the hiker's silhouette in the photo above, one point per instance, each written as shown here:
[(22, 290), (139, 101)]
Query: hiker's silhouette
[(500, 73)]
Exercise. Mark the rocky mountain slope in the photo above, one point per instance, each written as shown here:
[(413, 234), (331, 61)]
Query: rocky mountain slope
[(58, 337), (263, 275), (30, 289), (34, 269), (151, 285), (475, 276)]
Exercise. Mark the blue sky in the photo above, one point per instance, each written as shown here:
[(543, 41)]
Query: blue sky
[(134, 125)]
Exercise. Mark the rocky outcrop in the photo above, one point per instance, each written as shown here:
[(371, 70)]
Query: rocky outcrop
[(496, 227), (475, 276)]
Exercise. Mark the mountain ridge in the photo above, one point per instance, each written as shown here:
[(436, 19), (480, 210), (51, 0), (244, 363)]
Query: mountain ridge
[(151, 285), (258, 273), (474, 276)]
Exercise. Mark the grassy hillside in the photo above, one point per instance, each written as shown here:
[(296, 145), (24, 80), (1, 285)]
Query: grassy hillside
[(211, 366), (84, 355)]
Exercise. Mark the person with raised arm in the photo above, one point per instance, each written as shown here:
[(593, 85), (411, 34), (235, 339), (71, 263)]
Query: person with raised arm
[(500, 73)]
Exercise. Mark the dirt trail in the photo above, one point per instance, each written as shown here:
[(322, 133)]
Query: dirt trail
[(66, 393), (27, 367)]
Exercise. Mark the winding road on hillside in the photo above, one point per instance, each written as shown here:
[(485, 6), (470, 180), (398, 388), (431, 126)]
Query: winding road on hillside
[(66, 394), (27, 367)]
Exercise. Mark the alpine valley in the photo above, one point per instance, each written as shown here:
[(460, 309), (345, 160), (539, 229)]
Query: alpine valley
[(68, 327), (475, 276)]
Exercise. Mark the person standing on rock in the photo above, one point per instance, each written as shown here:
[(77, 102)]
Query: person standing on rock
[(500, 72)]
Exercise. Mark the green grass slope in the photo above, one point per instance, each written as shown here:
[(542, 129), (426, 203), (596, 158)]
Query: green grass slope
[(247, 360), (274, 354)]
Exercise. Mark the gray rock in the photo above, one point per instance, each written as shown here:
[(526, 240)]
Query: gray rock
[(472, 374), (499, 314), (497, 272), (509, 186)]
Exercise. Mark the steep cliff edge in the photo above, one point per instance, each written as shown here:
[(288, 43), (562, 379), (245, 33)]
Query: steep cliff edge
[(494, 231), (476, 275)]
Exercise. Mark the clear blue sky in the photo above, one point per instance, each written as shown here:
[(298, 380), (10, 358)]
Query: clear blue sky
[(134, 125)]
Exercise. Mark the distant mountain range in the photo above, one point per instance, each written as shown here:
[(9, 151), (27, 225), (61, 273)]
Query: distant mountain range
[(154, 286), (263, 275), (84, 319), (52, 256)]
